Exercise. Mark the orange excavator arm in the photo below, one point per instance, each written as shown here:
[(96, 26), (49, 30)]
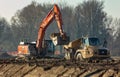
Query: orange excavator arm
[(53, 14)]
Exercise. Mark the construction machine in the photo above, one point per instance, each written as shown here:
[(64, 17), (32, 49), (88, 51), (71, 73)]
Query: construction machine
[(86, 48), (41, 47), (40, 51)]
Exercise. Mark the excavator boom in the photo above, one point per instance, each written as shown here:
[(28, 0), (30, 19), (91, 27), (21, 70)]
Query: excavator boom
[(53, 14)]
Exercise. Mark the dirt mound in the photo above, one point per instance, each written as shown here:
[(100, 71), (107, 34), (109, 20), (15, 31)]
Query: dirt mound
[(15, 70), (90, 70)]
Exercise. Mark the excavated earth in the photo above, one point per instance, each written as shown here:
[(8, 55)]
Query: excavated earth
[(62, 69)]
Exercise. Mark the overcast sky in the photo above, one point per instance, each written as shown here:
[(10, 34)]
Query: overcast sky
[(9, 7)]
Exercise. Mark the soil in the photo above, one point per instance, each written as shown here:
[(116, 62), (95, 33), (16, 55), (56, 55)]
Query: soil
[(24, 70)]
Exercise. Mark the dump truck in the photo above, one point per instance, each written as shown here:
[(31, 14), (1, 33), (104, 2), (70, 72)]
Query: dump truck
[(86, 48)]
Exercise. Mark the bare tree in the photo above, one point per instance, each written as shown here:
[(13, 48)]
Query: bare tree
[(90, 18), (116, 35), (25, 23)]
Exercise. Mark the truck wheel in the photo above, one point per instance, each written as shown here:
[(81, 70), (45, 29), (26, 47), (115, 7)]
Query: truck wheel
[(67, 55), (79, 57)]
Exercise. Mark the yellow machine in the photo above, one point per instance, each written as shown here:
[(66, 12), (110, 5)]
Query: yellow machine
[(86, 48)]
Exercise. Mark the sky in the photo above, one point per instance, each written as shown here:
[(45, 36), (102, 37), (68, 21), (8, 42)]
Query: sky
[(9, 7)]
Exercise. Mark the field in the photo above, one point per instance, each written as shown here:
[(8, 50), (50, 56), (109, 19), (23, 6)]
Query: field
[(63, 69)]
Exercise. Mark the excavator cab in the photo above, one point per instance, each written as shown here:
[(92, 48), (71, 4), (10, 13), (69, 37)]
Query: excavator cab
[(49, 47)]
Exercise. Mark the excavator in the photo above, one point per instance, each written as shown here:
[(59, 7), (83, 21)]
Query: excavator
[(40, 47)]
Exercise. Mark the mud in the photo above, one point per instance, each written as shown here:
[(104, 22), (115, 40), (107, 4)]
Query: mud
[(24, 70)]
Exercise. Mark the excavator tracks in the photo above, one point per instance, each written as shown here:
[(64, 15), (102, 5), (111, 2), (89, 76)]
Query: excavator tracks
[(59, 68)]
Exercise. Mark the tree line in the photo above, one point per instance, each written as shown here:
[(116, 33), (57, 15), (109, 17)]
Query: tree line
[(86, 19)]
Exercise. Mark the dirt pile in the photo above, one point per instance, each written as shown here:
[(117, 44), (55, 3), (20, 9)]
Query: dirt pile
[(52, 69), (24, 70)]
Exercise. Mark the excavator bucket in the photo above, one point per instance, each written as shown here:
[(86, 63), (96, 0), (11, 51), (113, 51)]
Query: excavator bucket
[(58, 40)]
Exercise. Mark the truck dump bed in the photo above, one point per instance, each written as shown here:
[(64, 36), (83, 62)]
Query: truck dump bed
[(73, 44)]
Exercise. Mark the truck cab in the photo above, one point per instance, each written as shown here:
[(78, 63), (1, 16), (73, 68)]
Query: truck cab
[(91, 41)]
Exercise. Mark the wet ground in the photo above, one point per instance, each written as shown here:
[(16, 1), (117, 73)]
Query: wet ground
[(82, 70)]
